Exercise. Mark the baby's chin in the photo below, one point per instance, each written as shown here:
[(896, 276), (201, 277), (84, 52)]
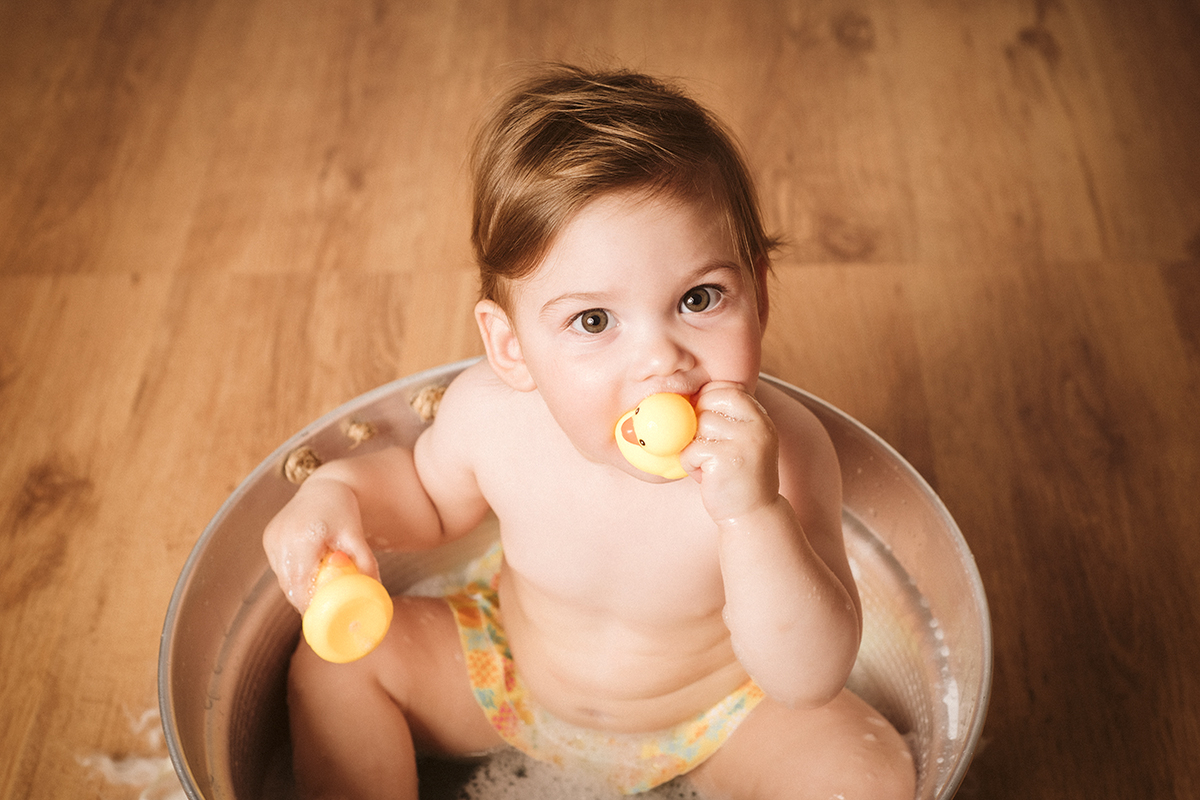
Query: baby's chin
[(610, 456), (647, 477)]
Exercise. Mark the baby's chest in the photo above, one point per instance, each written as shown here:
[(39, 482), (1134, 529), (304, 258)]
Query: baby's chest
[(598, 550)]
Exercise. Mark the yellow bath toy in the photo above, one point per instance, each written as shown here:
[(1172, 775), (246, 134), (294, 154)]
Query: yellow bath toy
[(652, 435), (349, 613)]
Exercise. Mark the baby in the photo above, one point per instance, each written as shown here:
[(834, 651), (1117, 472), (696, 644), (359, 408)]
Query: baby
[(629, 624)]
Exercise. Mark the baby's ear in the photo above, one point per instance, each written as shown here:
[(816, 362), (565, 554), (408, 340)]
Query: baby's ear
[(503, 349)]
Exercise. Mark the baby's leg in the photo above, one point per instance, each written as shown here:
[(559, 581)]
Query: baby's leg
[(844, 750), (354, 725)]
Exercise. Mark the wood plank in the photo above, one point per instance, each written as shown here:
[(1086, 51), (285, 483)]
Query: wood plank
[(220, 219), (847, 333), (1084, 529)]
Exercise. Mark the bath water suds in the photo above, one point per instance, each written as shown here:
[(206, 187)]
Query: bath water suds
[(510, 775), (153, 774), (951, 701)]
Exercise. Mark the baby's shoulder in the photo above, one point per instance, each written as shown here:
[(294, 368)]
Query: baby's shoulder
[(806, 453), (476, 407), (476, 385), (793, 420), (467, 400), (452, 448)]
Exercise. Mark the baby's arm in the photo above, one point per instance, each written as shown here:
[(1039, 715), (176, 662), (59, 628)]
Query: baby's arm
[(791, 604), (376, 501)]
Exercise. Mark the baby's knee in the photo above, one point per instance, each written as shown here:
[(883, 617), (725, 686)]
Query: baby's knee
[(310, 675), (887, 772), (413, 649), (880, 763), (842, 750)]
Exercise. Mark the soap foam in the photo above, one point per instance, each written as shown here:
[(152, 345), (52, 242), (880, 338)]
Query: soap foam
[(511, 775), (153, 774)]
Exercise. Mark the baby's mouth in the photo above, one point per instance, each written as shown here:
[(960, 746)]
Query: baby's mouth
[(672, 418)]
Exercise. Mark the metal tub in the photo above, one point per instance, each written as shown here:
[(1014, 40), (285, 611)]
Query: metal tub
[(925, 662)]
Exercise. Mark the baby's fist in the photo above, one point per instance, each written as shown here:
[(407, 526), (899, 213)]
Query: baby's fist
[(736, 452)]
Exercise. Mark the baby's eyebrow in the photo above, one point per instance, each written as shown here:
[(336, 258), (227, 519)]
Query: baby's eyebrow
[(716, 271), (719, 266), (574, 299)]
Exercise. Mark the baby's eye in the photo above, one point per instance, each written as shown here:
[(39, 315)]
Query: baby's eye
[(593, 321), (701, 298)]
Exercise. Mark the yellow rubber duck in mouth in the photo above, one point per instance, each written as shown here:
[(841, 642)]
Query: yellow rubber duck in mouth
[(652, 435)]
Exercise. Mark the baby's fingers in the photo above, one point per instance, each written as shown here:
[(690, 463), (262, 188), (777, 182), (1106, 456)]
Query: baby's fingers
[(736, 452), (294, 553), (727, 413), (321, 518), (728, 398), (354, 544)]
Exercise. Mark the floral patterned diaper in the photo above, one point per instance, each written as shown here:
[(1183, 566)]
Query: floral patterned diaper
[(633, 762)]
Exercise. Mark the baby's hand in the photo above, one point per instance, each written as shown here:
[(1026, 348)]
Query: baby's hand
[(736, 452), (323, 516)]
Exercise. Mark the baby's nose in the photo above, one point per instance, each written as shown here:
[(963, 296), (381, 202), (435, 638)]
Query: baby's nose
[(662, 355)]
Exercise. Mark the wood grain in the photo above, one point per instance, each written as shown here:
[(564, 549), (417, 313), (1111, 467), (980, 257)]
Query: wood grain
[(221, 218)]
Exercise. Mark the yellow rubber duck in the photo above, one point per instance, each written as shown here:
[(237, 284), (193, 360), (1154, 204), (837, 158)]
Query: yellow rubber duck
[(349, 614), (652, 435)]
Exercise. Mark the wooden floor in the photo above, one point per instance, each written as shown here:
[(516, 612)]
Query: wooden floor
[(221, 218)]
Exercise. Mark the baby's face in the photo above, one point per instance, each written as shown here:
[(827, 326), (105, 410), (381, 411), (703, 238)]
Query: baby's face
[(639, 294)]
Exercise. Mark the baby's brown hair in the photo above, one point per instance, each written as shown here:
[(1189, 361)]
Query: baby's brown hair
[(568, 136)]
